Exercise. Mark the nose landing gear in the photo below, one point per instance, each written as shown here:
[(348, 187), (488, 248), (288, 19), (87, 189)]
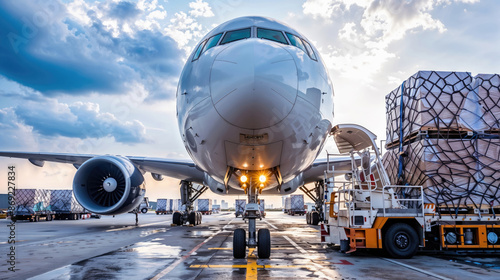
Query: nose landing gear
[(261, 239)]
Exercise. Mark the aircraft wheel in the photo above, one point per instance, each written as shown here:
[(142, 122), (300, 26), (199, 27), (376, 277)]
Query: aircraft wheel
[(192, 218), (239, 243), (176, 218), (264, 243), (314, 218), (401, 241), (144, 210), (307, 218), (49, 218), (200, 218)]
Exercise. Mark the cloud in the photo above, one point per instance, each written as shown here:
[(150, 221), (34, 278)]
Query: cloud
[(84, 48), (367, 28), (77, 120), (200, 9), (184, 29), (123, 10)]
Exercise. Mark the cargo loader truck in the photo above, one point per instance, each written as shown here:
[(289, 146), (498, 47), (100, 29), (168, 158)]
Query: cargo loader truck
[(365, 211)]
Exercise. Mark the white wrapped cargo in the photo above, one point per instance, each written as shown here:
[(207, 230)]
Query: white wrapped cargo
[(481, 110), (30, 201), (204, 205), (161, 204), (63, 201), (297, 202), (431, 99), (239, 206)]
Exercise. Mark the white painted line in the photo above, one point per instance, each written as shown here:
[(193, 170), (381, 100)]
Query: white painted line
[(295, 245), (178, 261), (273, 226), (139, 226), (417, 269)]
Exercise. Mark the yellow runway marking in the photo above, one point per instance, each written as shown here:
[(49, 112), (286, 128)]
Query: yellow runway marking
[(251, 264)]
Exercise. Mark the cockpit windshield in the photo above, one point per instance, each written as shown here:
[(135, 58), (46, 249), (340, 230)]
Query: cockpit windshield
[(212, 42), (273, 35), (235, 35), (310, 50), (295, 41)]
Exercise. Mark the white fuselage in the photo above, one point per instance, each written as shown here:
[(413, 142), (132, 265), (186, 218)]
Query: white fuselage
[(254, 104)]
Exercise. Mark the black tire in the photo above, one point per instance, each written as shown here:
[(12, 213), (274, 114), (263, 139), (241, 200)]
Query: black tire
[(37, 218), (264, 243), (239, 244), (307, 218), (176, 218), (315, 218), (401, 241), (192, 218), (200, 218), (144, 210), (49, 218)]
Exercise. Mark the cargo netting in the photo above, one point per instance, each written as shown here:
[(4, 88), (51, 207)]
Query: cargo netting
[(63, 201), (443, 134), (31, 201)]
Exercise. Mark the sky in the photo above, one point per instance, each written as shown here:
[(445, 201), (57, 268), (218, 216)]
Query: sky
[(99, 77)]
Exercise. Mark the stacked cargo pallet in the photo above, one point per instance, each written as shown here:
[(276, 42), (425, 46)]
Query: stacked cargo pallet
[(63, 201), (31, 201), (443, 134)]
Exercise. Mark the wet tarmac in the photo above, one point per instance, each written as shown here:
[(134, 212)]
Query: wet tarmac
[(113, 248)]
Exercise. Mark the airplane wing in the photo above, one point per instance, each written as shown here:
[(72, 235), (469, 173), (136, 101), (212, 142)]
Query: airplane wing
[(179, 169), (317, 170)]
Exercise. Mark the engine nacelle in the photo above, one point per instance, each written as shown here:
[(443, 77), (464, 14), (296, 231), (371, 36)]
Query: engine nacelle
[(109, 185)]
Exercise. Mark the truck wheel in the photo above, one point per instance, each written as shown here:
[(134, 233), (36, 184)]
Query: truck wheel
[(37, 218), (401, 241), (144, 210), (315, 218), (49, 218), (176, 218), (239, 244), (264, 243)]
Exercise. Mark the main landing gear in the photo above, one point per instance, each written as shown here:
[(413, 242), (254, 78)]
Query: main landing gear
[(261, 239), (188, 195), (317, 194)]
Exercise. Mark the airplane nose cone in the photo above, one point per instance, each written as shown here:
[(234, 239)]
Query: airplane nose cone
[(253, 83)]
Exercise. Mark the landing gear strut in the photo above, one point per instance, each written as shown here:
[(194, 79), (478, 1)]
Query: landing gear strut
[(317, 194), (188, 195), (261, 239)]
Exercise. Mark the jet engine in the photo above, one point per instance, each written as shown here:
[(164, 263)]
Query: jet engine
[(109, 185)]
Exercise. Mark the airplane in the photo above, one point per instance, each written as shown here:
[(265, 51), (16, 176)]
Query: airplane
[(254, 108)]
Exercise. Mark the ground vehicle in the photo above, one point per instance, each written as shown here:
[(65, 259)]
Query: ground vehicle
[(204, 206), (162, 206), (239, 207), (144, 206), (294, 205), (367, 212), (65, 207), (32, 205)]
